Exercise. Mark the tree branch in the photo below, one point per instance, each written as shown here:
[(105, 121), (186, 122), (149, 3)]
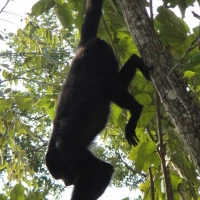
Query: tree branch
[(37, 149), (179, 104), (4, 6)]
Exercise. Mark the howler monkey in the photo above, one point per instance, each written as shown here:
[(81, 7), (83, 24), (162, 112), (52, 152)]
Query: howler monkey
[(93, 82)]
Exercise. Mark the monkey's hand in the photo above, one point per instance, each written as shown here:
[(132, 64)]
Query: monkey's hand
[(146, 70), (131, 136), (136, 60)]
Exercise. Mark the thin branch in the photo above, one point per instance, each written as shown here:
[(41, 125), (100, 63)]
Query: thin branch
[(11, 23), (22, 31), (150, 134), (192, 46), (34, 118), (151, 11), (191, 63), (11, 13), (151, 184), (41, 139), (32, 53), (162, 153), (4, 6), (196, 15), (107, 30), (26, 79), (127, 166), (33, 150)]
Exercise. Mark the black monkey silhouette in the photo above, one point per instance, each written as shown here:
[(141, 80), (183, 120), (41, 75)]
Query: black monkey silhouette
[(93, 81)]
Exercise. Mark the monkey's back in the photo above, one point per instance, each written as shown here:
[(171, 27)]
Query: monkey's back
[(84, 105)]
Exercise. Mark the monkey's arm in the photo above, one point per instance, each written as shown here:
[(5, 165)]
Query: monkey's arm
[(91, 20)]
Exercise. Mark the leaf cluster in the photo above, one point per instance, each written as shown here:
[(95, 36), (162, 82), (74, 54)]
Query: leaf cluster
[(32, 74)]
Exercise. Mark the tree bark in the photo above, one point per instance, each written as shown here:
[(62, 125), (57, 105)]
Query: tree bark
[(179, 104)]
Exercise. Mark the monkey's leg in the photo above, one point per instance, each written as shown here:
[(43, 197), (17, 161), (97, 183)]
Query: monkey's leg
[(103, 180), (92, 174)]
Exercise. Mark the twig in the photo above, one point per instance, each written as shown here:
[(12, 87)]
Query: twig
[(162, 153), (26, 79), (196, 15), (151, 12), (192, 46), (4, 6), (12, 13), (32, 150), (110, 37)]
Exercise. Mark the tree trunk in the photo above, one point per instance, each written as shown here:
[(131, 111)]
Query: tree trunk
[(180, 106)]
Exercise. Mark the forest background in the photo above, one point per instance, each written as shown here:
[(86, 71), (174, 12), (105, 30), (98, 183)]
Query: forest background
[(34, 66)]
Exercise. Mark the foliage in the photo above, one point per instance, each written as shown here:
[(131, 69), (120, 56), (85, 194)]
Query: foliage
[(33, 70)]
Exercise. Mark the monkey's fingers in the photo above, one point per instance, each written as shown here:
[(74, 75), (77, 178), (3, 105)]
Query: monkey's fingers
[(133, 140), (146, 72)]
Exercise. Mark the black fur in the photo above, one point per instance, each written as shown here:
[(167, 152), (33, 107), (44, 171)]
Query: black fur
[(94, 80)]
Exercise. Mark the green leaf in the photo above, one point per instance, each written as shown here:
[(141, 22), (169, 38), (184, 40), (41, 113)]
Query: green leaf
[(158, 184), (62, 75), (147, 114), (117, 19), (2, 105), (113, 132), (122, 34), (55, 41), (168, 17), (41, 7), (145, 186), (144, 99), (172, 35), (112, 5), (116, 112), (182, 6), (189, 74), (139, 81), (175, 180), (35, 196), (171, 28), (24, 103), (43, 102), (20, 33), (60, 2), (34, 183), (146, 156), (80, 10), (143, 138), (4, 74), (17, 192), (11, 142), (3, 197), (64, 14), (3, 164), (7, 90), (193, 61), (51, 110), (148, 87), (1, 37), (16, 81), (184, 167)]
